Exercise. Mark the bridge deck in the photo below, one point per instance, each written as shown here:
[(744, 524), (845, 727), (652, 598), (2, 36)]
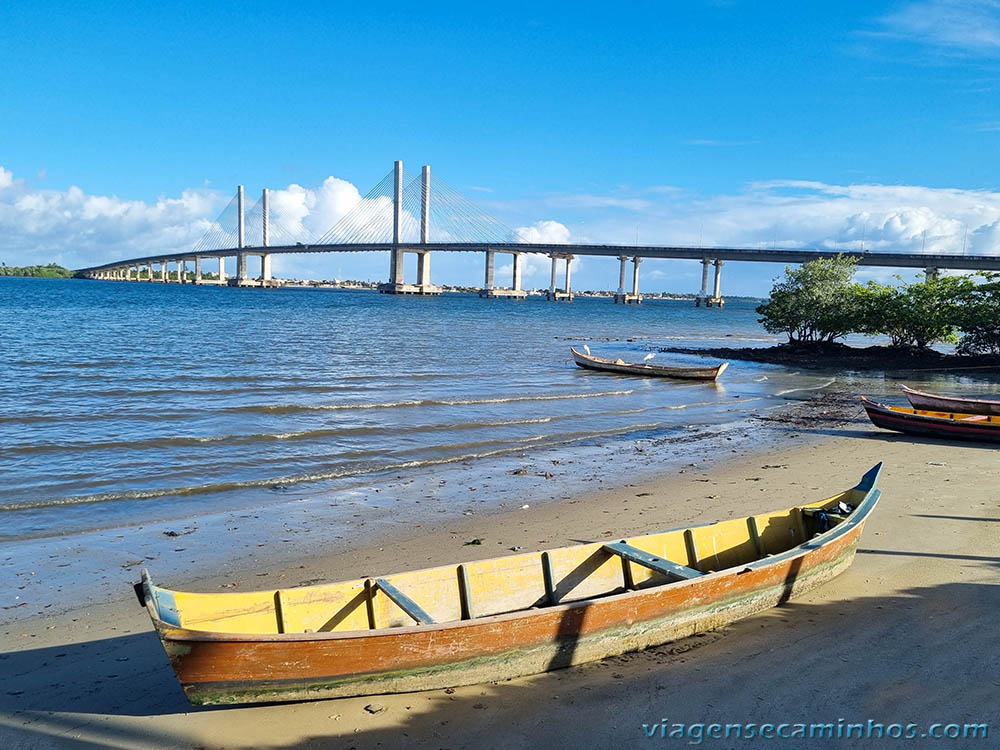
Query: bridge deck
[(744, 254)]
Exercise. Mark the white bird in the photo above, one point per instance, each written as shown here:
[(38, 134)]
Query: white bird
[(586, 348), (649, 356)]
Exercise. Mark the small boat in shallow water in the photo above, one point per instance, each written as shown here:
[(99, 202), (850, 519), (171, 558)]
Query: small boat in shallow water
[(591, 362), (934, 402), (504, 617), (937, 424)]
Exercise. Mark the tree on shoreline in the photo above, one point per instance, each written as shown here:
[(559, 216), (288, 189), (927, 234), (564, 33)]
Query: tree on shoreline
[(916, 315), (979, 318), (50, 271), (819, 302), (815, 302)]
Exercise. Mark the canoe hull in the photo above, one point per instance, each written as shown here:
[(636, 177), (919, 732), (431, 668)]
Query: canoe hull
[(934, 402), (226, 669), (682, 373), (925, 426)]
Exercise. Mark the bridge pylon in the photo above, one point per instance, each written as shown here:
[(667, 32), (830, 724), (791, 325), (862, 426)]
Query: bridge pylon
[(397, 255)]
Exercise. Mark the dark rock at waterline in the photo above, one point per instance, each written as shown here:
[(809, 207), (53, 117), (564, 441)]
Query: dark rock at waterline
[(835, 355)]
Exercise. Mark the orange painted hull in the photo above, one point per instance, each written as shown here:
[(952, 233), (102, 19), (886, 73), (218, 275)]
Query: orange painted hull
[(227, 668)]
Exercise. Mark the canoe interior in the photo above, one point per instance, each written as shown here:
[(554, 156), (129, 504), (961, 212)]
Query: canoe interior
[(506, 584), (953, 415)]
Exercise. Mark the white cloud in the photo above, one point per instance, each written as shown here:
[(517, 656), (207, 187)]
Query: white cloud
[(805, 213), (77, 229), (966, 27), (306, 213), (597, 201), (544, 232)]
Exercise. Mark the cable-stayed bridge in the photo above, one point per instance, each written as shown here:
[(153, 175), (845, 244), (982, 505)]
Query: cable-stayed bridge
[(406, 213)]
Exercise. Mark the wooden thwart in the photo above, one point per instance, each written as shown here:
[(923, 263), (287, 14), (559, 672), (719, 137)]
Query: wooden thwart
[(666, 567), (404, 602)]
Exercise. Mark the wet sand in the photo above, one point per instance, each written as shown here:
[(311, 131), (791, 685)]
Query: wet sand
[(906, 635)]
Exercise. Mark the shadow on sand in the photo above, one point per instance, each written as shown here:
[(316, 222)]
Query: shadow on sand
[(926, 654)]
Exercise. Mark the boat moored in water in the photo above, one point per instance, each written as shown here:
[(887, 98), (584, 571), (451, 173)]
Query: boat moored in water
[(591, 362), (938, 424), (504, 617), (964, 405)]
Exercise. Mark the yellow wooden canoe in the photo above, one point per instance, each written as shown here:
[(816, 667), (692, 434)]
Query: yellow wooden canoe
[(503, 617)]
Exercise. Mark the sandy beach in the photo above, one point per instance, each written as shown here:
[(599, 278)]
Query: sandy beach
[(905, 636)]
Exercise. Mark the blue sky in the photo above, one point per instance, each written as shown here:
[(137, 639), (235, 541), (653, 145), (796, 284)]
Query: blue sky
[(123, 129)]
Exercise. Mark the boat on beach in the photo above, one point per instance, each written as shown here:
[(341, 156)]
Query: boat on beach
[(591, 362), (938, 424), (504, 617), (964, 405)]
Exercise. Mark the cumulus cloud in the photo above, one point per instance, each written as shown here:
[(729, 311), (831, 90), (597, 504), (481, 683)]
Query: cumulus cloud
[(306, 213), (78, 229), (803, 213), (545, 233)]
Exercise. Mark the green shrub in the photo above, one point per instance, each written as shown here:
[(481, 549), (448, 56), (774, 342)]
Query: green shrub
[(814, 302), (918, 314), (979, 319)]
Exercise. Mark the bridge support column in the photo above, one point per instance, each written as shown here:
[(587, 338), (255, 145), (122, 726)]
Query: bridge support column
[(241, 270), (149, 268), (222, 269), (623, 296), (163, 271), (931, 273), (182, 271), (197, 269), (703, 294), (622, 266), (128, 273), (716, 298), (265, 269), (487, 290), (566, 294), (515, 291), (424, 273), (518, 276), (423, 268)]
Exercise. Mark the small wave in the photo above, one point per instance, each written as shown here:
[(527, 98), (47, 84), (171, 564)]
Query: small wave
[(543, 441), (830, 382), (261, 437), (282, 408)]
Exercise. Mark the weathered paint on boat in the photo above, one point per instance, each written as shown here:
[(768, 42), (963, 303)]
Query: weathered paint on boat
[(591, 362), (939, 424), (216, 667), (934, 402)]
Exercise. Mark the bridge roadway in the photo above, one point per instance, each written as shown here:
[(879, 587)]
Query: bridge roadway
[(708, 256), (954, 262)]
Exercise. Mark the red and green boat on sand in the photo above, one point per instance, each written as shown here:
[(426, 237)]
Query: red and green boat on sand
[(960, 404), (946, 425)]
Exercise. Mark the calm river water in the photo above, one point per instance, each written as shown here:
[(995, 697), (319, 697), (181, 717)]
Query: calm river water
[(125, 403)]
